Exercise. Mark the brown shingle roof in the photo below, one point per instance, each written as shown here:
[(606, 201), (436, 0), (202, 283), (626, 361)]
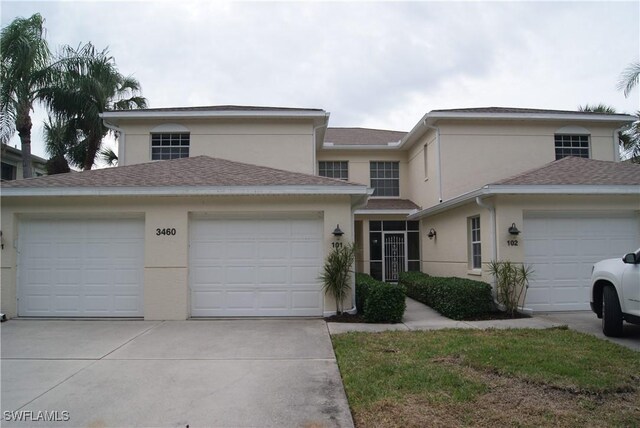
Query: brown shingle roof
[(362, 136), (193, 171), (578, 171), (224, 108), (390, 204), (521, 110)]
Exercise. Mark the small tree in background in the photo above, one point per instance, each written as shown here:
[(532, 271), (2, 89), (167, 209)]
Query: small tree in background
[(336, 275), (512, 282)]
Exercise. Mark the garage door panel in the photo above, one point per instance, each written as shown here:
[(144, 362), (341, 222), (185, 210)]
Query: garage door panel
[(562, 247), (80, 267), (302, 300), (273, 300), (265, 262)]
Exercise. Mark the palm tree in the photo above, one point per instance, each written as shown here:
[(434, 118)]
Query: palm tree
[(87, 83), (60, 139), (628, 137), (23, 71), (629, 78)]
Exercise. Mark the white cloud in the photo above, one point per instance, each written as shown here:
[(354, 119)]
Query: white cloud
[(370, 64)]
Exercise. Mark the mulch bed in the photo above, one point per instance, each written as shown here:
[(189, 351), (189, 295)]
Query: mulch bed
[(497, 315), (345, 317)]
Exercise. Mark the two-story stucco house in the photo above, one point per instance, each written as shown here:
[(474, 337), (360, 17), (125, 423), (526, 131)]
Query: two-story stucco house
[(230, 211)]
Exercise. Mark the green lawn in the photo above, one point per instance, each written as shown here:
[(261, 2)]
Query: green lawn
[(492, 378)]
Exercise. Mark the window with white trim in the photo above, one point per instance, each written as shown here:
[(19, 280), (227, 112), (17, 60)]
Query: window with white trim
[(571, 145), (475, 247), (169, 145), (385, 178), (334, 169)]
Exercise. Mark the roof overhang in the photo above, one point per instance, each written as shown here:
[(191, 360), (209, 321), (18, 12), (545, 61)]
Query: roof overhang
[(319, 117), (187, 191), (495, 189), (386, 212), (430, 120)]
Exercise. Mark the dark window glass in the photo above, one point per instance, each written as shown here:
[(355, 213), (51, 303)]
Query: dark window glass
[(375, 225), (394, 225), (169, 146), (8, 171), (334, 169), (571, 145), (413, 225), (413, 246), (385, 178), (375, 245), (376, 270), (414, 266)]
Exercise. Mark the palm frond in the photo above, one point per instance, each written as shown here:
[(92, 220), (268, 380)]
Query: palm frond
[(629, 78)]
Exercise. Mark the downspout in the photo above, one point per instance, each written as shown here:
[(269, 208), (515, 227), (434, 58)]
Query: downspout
[(314, 156), (616, 144), (121, 137), (494, 238), (439, 157), (358, 203)]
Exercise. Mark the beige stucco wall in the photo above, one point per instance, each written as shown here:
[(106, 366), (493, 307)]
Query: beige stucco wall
[(359, 164), (166, 291), (476, 153), (278, 144), (448, 253)]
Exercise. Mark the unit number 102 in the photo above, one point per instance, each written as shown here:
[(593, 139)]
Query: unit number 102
[(512, 243)]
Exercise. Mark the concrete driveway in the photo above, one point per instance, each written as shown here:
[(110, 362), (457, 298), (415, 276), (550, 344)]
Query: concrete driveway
[(223, 373), (588, 322)]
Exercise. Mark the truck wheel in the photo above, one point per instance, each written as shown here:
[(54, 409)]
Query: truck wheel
[(611, 313)]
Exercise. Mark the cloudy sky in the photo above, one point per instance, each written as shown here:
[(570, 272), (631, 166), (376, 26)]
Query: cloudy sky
[(380, 65)]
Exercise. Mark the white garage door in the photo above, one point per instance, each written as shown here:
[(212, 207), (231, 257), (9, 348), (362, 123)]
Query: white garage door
[(255, 267), (562, 250), (80, 267)]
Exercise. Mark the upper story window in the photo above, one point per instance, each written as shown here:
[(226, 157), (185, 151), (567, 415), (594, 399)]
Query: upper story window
[(165, 145), (8, 172), (572, 145), (385, 178), (334, 169)]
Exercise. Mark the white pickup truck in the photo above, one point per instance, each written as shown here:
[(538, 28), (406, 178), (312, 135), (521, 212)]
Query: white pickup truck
[(615, 292)]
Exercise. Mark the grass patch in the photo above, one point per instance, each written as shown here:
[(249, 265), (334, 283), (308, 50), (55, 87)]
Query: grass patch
[(471, 377)]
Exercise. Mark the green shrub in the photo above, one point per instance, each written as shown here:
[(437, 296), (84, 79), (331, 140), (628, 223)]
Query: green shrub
[(455, 298), (379, 302)]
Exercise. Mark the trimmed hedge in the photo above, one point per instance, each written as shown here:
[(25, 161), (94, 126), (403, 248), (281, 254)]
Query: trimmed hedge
[(379, 302), (455, 298)]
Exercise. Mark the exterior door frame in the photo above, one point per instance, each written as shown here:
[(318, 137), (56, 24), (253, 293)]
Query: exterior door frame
[(384, 249)]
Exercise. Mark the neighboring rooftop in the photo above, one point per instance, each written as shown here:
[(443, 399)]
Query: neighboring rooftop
[(578, 171), (17, 152), (362, 136), (193, 171)]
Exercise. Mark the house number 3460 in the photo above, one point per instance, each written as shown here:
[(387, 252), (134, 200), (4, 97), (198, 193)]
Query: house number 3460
[(169, 231)]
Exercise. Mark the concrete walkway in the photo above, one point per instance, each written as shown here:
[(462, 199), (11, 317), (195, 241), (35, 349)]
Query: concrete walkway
[(213, 373), (421, 317)]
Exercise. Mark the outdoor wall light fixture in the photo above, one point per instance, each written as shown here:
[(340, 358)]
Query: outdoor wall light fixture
[(513, 230), (432, 233), (337, 232)]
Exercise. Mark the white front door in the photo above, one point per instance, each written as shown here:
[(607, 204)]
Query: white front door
[(256, 267), (562, 248), (80, 267)]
